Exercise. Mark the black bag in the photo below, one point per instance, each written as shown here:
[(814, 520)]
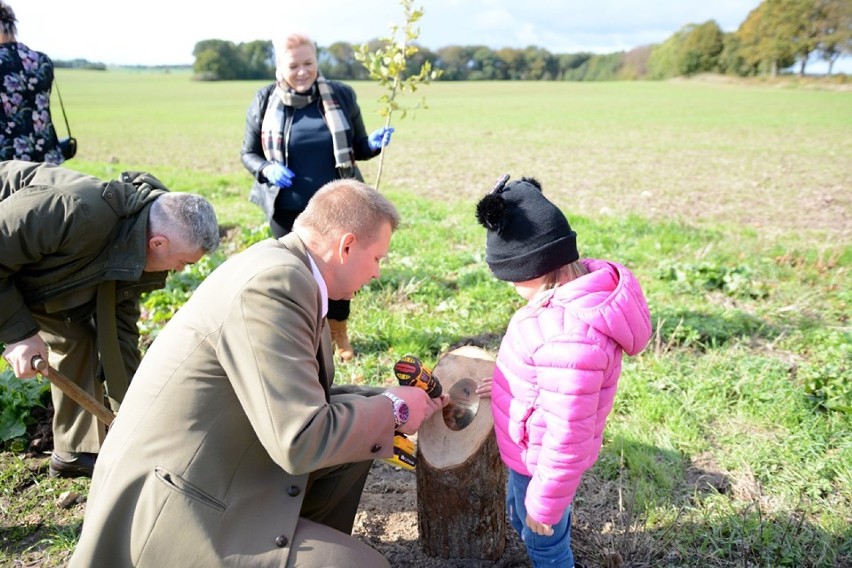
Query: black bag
[(68, 146)]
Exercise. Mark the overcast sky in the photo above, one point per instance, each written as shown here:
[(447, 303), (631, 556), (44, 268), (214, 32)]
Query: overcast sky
[(164, 32)]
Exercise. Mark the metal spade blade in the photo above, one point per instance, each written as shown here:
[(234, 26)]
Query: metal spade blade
[(464, 403)]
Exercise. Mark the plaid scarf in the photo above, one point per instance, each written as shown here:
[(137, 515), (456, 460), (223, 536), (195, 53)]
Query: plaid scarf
[(276, 124)]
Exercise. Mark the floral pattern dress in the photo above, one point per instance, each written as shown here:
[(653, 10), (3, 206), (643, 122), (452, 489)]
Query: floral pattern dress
[(26, 129)]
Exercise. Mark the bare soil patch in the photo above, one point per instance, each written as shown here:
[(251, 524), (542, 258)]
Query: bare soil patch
[(387, 518)]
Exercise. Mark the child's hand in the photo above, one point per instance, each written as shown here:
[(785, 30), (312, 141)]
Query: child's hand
[(483, 387), (539, 528)]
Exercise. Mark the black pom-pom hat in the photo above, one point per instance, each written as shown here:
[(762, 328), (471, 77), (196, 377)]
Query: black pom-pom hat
[(528, 236)]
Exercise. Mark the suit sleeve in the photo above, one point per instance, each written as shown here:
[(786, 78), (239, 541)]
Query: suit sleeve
[(268, 349)]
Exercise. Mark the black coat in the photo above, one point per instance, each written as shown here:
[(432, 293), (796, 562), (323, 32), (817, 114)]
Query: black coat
[(262, 192)]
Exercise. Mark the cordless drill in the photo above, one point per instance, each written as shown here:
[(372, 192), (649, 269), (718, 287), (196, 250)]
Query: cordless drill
[(411, 372)]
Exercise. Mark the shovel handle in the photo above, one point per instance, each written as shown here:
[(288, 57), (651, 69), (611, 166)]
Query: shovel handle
[(39, 364), (78, 395)]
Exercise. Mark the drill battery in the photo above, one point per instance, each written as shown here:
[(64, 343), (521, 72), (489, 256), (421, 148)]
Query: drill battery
[(404, 452)]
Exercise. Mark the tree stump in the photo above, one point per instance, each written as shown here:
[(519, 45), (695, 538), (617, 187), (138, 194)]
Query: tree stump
[(461, 482)]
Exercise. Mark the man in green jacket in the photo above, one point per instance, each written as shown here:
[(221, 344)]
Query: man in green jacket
[(234, 447), (75, 255)]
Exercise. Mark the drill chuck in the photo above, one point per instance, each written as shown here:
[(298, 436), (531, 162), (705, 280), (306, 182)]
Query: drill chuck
[(411, 372)]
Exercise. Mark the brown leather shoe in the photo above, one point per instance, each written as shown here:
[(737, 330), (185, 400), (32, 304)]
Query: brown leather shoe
[(72, 464)]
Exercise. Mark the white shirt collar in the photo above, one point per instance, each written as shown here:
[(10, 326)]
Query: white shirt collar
[(321, 283)]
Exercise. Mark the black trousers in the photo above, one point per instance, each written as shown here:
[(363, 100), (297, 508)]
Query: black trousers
[(282, 224)]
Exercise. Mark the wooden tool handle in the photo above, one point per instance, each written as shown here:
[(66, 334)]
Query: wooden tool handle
[(78, 395), (39, 364)]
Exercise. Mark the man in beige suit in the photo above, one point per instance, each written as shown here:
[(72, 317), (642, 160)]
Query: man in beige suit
[(232, 446)]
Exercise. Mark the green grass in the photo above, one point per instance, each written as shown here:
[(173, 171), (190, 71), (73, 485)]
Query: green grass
[(729, 444)]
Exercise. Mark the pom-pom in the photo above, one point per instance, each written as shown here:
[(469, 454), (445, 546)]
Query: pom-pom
[(533, 182), (491, 212)]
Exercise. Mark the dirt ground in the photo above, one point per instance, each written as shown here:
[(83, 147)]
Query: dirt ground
[(602, 534), (386, 520)]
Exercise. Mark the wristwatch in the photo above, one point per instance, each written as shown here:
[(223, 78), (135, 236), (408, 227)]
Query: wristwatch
[(400, 409)]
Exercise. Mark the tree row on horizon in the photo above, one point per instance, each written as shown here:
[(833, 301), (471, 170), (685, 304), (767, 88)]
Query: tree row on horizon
[(777, 35)]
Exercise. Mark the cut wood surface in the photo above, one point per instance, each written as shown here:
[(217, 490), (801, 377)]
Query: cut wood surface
[(437, 442)]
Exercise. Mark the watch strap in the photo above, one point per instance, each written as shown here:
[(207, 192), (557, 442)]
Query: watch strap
[(398, 405)]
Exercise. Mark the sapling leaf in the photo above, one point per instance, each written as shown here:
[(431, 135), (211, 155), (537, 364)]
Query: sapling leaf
[(388, 65)]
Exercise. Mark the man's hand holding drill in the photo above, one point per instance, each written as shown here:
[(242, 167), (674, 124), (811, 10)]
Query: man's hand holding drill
[(420, 406)]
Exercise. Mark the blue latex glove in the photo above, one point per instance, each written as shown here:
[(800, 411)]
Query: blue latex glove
[(279, 174), (380, 138)]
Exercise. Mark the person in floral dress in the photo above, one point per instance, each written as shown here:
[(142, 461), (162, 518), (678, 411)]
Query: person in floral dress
[(26, 128)]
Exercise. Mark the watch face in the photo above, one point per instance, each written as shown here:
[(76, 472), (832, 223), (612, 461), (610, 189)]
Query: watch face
[(402, 413)]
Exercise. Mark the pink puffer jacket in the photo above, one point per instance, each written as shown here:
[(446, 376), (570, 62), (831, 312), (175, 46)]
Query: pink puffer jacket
[(556, 377)]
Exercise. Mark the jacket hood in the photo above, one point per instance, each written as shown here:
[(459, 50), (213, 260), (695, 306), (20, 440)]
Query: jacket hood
[(610, 300), (141, 179), (132, 192)]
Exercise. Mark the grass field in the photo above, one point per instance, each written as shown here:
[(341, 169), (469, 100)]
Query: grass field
[(773, 158), (730, 442)]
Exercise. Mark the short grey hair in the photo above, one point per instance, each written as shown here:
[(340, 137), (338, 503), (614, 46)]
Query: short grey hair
[(348, 206), (187, 217)]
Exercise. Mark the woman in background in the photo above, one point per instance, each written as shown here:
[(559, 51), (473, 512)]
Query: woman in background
[(301, 132), (26, 129)]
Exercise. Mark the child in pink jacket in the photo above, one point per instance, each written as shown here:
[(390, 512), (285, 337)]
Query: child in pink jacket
[(558, 365)]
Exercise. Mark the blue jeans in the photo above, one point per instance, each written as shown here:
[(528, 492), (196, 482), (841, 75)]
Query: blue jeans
[(554, 550)]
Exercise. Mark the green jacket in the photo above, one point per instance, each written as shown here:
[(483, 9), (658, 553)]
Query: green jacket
[(63, 234)]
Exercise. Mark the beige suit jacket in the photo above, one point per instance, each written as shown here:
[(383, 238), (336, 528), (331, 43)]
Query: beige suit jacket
[(230, 410)]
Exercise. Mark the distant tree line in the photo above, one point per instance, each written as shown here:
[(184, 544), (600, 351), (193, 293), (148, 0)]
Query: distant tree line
[(97, 66), (79, 64), (777, 35)]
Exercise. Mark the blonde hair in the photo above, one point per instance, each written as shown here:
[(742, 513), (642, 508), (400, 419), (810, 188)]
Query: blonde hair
[(552, 280), (563, 274), (347, 206), (290, 41)]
